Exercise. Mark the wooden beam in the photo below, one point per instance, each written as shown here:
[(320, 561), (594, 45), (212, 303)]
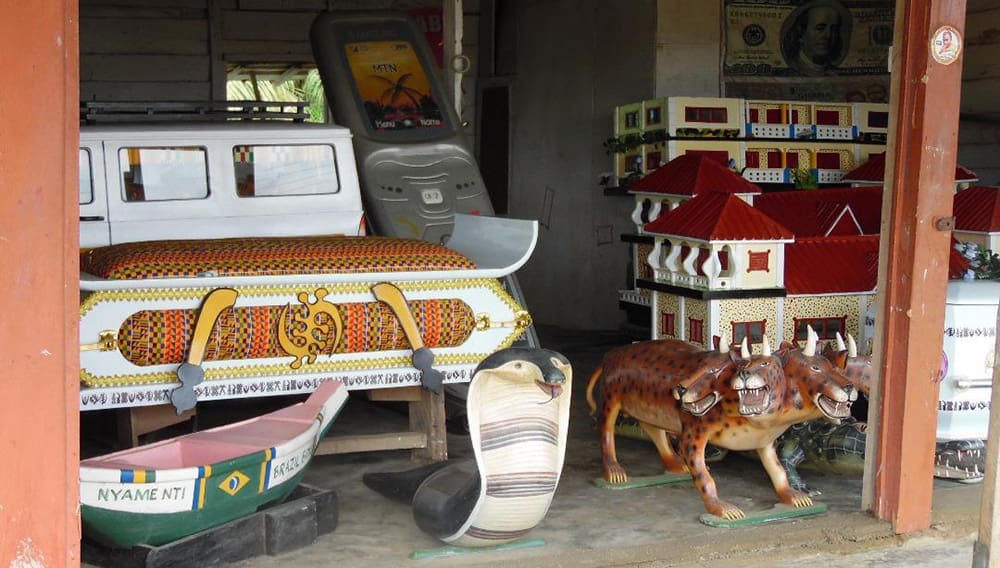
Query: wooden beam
[(914, 262), (371, 443), (428, 417), (453, 29), (39, 392)]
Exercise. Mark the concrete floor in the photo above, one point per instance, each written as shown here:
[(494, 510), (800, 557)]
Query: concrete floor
[(648, 527)]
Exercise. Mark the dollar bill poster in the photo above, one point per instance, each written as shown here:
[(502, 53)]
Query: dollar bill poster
[(393, 85), (839, 48)]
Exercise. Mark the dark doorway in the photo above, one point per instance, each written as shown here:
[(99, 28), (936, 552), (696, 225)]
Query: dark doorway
[(494, 144)]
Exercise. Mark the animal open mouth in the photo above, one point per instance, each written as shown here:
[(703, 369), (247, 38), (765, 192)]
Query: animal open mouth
[(700, 407), (832, 409), (754, 401), (551, 389)]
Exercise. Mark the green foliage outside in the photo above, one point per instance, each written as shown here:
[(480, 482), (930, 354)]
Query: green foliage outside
[(805, 179), (309, 89), (984, 264)]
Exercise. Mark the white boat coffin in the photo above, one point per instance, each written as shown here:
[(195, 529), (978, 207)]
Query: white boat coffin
[(298, 318)]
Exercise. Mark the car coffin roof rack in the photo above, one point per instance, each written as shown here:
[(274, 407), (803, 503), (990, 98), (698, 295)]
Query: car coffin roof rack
[(95, 112)]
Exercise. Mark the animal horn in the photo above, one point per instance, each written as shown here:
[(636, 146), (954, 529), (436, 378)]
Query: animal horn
[(744, 350), (723, 345), (766, 349), (811, 338), (840, 343), (852, 347)]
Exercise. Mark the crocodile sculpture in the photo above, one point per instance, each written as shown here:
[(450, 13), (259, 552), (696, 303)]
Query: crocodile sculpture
[(757, 403), (840, 448)]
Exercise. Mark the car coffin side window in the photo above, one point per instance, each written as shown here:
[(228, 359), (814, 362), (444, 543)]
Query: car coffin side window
[(264, 171), (163, 173), (86, 178)]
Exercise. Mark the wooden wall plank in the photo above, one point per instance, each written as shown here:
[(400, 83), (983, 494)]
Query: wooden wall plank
[(176, 13), (974, 7), (979, 96), (292, 26), (287, 5), (238, 51), (86, 5), (140, 36), (150, 91), (144, 68)]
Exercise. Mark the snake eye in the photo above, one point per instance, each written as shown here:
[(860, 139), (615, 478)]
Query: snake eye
[(814, 368)]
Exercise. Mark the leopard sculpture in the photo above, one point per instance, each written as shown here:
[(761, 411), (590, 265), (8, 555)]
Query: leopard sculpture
[(646, 376), (758, 403)]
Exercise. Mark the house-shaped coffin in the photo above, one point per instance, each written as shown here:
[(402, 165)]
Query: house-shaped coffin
[(681, 179), (663, 190), (977, 216), (793, 259), (725, 268), (872, 172)]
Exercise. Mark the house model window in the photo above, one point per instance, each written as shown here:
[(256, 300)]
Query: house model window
[(752, 330), (825, 328), (705, 114), (667, 324), (696, 330), (759, 261)]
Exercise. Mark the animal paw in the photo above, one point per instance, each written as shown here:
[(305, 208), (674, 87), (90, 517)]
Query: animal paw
[(798, 500), (727, 511), (615, 474)]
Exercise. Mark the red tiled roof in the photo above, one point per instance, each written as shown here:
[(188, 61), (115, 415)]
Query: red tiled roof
[(841, 221), (873, 171), (693, 174), (718, 217), (978, 209), (812, 213), (831, 265)]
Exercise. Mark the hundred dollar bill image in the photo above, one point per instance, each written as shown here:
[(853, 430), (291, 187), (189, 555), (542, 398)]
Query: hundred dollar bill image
[(813, 38)]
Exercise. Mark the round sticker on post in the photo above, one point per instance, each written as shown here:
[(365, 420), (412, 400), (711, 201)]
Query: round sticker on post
[(946, 45)]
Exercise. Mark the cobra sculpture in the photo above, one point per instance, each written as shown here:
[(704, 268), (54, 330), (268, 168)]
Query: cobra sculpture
[(518, 410)]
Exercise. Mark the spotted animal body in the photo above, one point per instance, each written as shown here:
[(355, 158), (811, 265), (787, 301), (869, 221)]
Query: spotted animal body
[(761, 397), (646, 380)]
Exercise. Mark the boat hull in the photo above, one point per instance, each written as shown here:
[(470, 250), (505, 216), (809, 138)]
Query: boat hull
[(122, 507), (122, 529)]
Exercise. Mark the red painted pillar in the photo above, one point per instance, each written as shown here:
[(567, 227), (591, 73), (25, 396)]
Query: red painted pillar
[(39, 303), (920, 185)]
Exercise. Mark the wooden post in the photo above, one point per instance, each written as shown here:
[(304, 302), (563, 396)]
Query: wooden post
[(453, 31), (913, 267), (39, 252), (428, 417), (986, 550)]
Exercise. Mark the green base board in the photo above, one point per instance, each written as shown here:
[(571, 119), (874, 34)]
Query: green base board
[(666, 478), (779, 512), (459, 550)]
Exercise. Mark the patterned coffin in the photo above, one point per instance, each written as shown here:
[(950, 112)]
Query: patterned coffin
[(304, 311)]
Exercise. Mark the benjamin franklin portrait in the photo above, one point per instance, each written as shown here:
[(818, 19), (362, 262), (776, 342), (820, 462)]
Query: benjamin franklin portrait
[(815, 37)]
